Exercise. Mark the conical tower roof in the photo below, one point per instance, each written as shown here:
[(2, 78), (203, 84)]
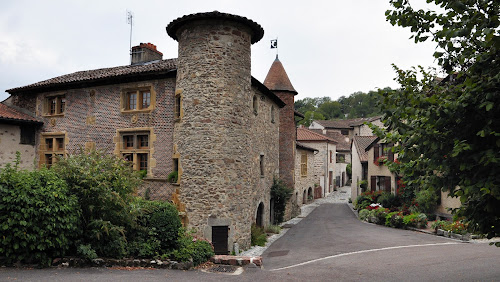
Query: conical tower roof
[(277, 79)]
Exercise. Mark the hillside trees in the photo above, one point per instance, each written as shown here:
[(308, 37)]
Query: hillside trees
[(448, 132)]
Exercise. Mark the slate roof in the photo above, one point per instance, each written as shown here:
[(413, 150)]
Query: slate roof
[(172, 27), (277, 79), (10, 114), (304, 147), (362, 142), (101, 74), (304, 134), (345, 123)]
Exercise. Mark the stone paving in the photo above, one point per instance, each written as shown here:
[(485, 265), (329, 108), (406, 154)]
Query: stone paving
[(342, 195)]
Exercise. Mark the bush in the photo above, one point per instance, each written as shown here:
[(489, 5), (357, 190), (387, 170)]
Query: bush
[(440, 224), (380, 214), (363, 201), (364, 214), (275, 229), (388, 200), (258, 236), (394, 219), (192, 249), (426, 201), (280, 194), (104, 185), (415, 220), (86, 252), (38, 215)]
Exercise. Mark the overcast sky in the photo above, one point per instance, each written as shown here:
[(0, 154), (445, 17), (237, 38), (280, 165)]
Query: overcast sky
[(328, 48)]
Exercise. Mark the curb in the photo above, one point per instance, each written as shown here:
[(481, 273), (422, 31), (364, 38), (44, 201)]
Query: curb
[(237, 260)]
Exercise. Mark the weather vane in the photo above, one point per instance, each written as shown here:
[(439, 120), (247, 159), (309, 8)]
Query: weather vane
[(274, 45)]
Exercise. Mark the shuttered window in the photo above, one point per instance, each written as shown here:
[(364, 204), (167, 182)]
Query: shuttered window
[(303, 164)]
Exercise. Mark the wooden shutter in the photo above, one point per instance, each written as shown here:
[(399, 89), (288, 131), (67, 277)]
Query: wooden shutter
[(303, 164), (387, 184), (375, 152), (373, 183), (390, 154)]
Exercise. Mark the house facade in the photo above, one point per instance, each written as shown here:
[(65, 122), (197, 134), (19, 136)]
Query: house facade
[(201, 115), (18, 131), (324, 159), (380, 178), (360, 164), (305, 175)]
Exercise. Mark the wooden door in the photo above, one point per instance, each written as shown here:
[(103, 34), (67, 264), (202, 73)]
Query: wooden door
[(219, 239)]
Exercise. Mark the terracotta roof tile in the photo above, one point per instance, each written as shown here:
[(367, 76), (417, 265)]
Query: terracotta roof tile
[(277, 79), (343, 141), (345, 123), (105, 73), (304, 134), (362, 142), (11, 114)]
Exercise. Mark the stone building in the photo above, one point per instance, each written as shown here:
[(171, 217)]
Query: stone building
[(305, 175), (201, 115), (17, 134), (360, 164)]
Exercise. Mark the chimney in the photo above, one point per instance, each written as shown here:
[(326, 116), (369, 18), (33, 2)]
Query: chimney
[(145, 52)]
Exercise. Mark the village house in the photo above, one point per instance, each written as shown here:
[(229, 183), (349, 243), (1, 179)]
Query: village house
[(18, 131), (207, 135), (324, 159), (360, 164)]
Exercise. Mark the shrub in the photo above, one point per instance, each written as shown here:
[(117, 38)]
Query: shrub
[(388, 200), (104, 185), (280, 194), (426, 201), (86, 252), (38, 215), (440, 224), (258, 236), (364, 214), (273, 229), (410, 220), (380, 214), (394, 219), (164, 220), (363, 201), (192, 249)]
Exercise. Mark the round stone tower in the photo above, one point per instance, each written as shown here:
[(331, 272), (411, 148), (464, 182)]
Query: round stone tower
[(214, 104)]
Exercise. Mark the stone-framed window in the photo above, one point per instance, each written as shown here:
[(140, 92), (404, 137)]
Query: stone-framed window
[(272, 114), (255, 104), (261, 165), (52, 147), (178, 105), (303, 164), (139, 99), (135, 148), (54, 105), (27, 135)]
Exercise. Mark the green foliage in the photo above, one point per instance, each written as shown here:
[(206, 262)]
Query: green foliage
[(415, 220), (348, 169), (426, 200), (364, 214), (379, 214), (273, 229), (86, 252), (447, 132), (394, 219), (310, 116), (173, 176), (164, 220), (363, 184), (38, 215), (280, 194), (104, 185), (258, 236), (440, 224), (389, 200), (191, 248)]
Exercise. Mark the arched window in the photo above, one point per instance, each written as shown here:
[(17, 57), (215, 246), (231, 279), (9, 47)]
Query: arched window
[(255, 104)]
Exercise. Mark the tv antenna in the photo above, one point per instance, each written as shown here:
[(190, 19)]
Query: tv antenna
[(130, 17)]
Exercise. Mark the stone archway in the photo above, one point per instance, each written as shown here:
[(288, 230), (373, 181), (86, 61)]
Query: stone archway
[(310, 194), (259, 218)]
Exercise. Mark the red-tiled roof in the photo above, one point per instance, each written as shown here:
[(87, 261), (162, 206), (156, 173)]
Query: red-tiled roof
[(304, 147), (11, 114), (101, 74), (362, 142), (277, 79), (304, 134), (345, 123), (343, 143)]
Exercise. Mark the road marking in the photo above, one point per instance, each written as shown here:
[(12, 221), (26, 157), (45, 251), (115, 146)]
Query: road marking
[(362, 252)]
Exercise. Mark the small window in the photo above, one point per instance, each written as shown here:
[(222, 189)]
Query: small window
[(143, 161), (340, 158), (262, 165), (177, 106), (49, 144), (344, 131), (27, 135), (137, 100), (143, 141), (135, 149), (59, 144), (146, 99), (272, 114), (255, 104), (55, 105), (128, 141), (131, 101), (303, 164), (53, 149)]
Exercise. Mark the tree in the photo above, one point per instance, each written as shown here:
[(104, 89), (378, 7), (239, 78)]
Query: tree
[(310, 116), (330, 109), (447, 133)]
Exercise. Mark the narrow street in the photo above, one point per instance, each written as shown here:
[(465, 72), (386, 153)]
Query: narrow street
[(329, 244)]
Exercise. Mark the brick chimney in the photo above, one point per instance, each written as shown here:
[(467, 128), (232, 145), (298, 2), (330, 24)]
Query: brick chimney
[(145, 52)]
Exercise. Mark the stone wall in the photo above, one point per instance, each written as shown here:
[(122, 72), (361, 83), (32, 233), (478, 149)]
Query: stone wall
[(364, 130), (447, 203), (288, 135), (93, 116), (10, 137), (303, 183), (322, 164), (357, 173)]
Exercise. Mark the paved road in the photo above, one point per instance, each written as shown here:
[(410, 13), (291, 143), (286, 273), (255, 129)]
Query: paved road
[(330, 244)]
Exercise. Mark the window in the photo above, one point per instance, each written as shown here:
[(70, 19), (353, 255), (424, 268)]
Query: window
[(262, 165), (303, 164), (272, 114), (137, 100), (331, 157), (52, 148), (135, 148), (340, 158), (55, 105), (177, 106), (27, 135), (255, 104), (383, 150), (344, 131)]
